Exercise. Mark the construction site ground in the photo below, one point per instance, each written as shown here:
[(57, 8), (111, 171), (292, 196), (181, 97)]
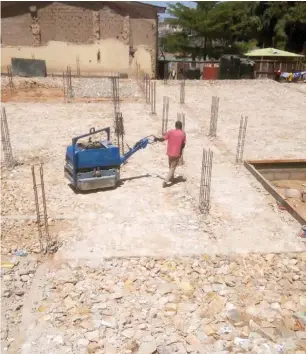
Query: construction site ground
[(139, 269)]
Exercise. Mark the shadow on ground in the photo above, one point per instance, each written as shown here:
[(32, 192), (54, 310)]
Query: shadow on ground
[(120, 183)]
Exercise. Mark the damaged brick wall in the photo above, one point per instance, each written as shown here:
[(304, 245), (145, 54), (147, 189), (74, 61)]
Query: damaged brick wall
[(61, 22), (81, 23), (96, 24), (16, 28), (111, 24), (144, 33)]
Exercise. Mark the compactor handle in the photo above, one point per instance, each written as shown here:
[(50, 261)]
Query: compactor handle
[(91, 132)]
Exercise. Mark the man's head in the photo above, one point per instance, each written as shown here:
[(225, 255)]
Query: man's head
[(178, 125)]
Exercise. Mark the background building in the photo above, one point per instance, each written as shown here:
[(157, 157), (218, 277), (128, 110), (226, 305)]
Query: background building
[(101, 36), (166, 28)]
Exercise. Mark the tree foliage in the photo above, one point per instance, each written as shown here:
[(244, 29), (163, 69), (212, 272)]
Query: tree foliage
[(231, 26)]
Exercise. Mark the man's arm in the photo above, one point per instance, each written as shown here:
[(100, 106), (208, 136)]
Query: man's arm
[(159, 139), (183, 145), (165, 137), (182, 148)]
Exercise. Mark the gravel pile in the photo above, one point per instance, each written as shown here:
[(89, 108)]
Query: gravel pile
[(30, 83), (225, 304), (95, 87), (17, 274), (217, 82), (82, 87), (253, 303)]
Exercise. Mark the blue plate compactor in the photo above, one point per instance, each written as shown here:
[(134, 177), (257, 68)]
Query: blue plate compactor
[(96, 165)]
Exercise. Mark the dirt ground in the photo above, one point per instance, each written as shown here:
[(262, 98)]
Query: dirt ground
[(296, 203), (140, 218), (166, 220), (51, 95)]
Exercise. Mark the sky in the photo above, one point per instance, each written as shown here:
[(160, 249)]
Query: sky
[(164, 4)]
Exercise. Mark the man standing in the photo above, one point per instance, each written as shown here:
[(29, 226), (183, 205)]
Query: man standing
[(176, 143)]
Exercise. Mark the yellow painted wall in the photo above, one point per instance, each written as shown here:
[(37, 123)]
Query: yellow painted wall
[(114, 57)]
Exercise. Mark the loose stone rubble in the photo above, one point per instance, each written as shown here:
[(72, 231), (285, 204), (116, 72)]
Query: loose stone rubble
[(82, 87), (17, 274), (222, 304)]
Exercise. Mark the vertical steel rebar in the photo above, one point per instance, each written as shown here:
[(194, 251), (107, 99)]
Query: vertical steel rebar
[(149, 91), (122, 132), (6, 141), (78, 69), (241, 139), (116, 100), (41, 172), (146, 87), (70, 92), (42, 217), (204, 199), (182, 92), (153, 97), (67, 85), (165, 114), (214, 116), (165, 73), (64, 86), (181, 118), (137, 71), (144, 84), (10, 77), (119, 130), (37, 211)]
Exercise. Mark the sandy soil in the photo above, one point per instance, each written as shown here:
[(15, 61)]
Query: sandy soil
[(296, 203), (41, 94), (140, 218)]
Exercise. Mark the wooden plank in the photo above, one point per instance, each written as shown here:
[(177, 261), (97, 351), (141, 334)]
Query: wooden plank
[(269, 188), (258, 162)]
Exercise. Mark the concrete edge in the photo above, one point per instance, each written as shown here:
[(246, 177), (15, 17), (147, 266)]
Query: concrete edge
[(268, 186)]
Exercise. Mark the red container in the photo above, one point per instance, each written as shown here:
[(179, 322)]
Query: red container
[(210, 73)]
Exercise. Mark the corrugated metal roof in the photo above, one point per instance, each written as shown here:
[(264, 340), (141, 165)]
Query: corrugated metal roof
[(272, 52), (159, 9)]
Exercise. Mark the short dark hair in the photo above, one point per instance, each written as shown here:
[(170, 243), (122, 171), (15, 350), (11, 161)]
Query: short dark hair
[(178, 125)]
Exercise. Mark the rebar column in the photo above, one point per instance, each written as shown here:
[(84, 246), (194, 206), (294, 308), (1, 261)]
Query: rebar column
[(119, 131), (6, 141), (204, 199), (64, 86), (214, 116), (78, 69), (10, 77), (165, 73), (241, 139), (41, 211), (149, 91), (69, 84), (146, 87), (165, 114), (182, 92), (181, 118), (116, 99), (153, 97)]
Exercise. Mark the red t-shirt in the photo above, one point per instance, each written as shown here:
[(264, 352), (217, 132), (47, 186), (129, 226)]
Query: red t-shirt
[(176, 138)]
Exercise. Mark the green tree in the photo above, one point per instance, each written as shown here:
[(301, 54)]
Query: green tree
[(214, 27), (194, 23)]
